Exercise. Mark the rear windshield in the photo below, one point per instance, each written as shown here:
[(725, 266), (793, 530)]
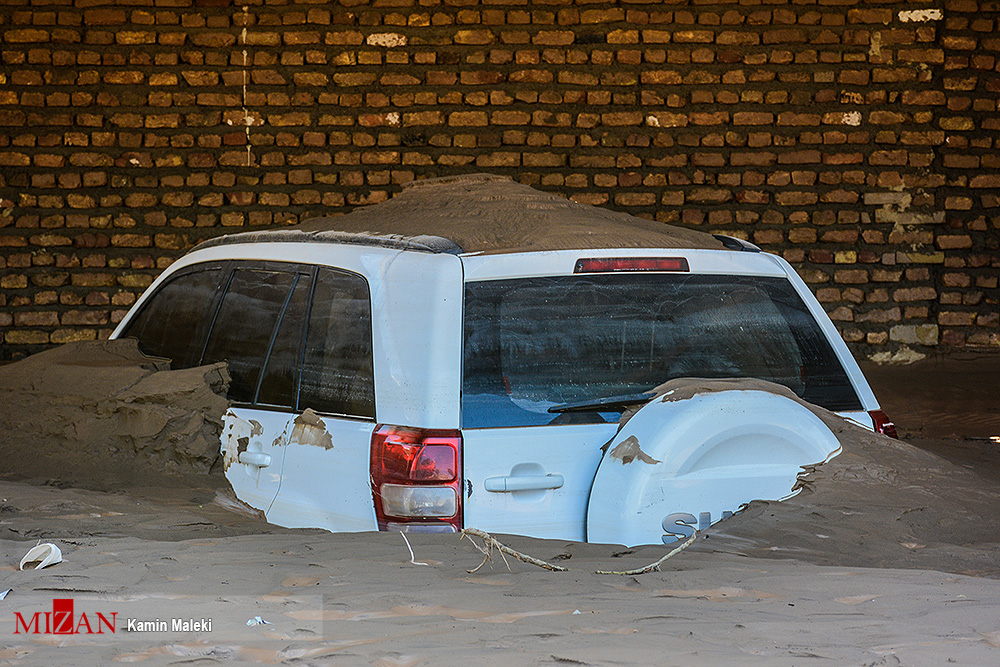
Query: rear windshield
[(536, 343)]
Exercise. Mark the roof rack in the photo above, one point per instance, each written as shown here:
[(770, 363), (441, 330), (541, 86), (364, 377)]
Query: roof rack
[(422, 243)]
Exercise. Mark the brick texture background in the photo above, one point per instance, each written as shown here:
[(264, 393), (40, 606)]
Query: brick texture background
[(860, 139)]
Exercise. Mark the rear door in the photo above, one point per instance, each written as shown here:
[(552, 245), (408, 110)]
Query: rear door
[(326, 444), (296, 440)]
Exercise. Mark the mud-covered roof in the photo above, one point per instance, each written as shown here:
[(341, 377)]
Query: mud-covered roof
[(488, 214)]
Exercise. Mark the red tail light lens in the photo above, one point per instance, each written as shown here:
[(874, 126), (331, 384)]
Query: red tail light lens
[(417, 479), (882, 423), (614, 264)]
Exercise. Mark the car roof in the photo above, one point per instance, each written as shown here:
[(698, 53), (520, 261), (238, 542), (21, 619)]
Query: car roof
[(483, 213)]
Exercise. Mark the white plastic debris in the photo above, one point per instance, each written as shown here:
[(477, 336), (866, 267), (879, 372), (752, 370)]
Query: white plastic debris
[(3, 596), (257, 620), (41, 555)]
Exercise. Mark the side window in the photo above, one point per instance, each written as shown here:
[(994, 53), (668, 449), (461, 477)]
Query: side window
[(175, 320), (337, 375), (279, 385), (246, 324)]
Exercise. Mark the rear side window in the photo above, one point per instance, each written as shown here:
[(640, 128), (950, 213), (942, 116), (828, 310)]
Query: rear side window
[(245, 327), (294, 336), (536, 343), (279, 385), (337, 370), (174, 322)]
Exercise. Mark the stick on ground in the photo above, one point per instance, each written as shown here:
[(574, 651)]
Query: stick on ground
[(655, 567), (490, 542)]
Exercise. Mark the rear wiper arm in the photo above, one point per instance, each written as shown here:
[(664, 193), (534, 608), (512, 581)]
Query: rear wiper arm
[(605, 404)]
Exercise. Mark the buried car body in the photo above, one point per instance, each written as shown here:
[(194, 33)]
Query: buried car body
[(462, 355)]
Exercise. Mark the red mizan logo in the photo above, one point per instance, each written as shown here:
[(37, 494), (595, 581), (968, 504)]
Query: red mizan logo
[(62, 621)]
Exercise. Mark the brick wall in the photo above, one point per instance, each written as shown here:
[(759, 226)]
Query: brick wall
[(857, 138)]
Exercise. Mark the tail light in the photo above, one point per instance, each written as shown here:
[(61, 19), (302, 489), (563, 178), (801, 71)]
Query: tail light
[(417, 479), (882, 423)]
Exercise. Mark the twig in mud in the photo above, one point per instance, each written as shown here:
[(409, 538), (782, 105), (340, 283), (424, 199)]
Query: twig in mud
[(490, 543), (487, 550), (655, 567), (413, 559)]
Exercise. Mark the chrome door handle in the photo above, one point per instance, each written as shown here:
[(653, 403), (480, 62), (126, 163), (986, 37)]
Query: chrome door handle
[(259, 459), (527, 483)]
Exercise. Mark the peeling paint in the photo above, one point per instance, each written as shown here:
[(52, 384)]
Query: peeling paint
[(848, 97), (387, 40), (629, 451), (852, 118), (306, 429), (248, 118), (875, 45), (236, 434), (920, 15)]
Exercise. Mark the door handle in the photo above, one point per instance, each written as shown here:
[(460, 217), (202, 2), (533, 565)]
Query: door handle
[(525, 483), (259, 459)]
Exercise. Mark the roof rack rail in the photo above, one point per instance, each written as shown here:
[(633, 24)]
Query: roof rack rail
[(422, 243)]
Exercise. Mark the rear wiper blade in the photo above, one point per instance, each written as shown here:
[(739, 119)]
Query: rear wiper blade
[(605, 404)]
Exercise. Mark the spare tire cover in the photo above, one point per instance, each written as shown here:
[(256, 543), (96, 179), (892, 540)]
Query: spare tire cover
[(677, 465)]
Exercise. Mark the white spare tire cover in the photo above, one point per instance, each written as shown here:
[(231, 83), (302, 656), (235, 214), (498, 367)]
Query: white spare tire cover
[(678, 465)]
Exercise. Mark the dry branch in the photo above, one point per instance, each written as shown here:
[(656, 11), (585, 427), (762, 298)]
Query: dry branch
[(655, 566), (490, 543)]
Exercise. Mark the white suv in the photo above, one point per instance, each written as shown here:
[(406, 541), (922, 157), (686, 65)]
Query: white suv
[(461, 354)]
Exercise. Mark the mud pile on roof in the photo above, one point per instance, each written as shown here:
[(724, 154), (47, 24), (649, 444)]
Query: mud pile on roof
[(102, 415), (485, 213)]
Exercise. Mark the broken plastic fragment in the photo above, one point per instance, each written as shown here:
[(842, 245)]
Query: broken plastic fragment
[(257, 620), (40, 556)]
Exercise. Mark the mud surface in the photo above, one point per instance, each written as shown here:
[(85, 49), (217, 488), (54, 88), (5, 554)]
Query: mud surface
[(867, 565), (102, 415)]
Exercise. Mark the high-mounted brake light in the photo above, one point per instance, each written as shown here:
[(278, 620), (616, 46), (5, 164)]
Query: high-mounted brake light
[(417, 479), (882, 424), (614, 264)]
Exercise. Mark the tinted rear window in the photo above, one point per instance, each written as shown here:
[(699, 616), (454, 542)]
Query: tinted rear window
[(535, 343)]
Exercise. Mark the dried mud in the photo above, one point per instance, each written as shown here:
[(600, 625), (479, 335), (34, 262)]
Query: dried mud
[(102, 415)]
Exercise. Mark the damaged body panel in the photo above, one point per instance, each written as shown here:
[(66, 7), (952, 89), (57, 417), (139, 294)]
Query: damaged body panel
[(715, 452), (465, 354)]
